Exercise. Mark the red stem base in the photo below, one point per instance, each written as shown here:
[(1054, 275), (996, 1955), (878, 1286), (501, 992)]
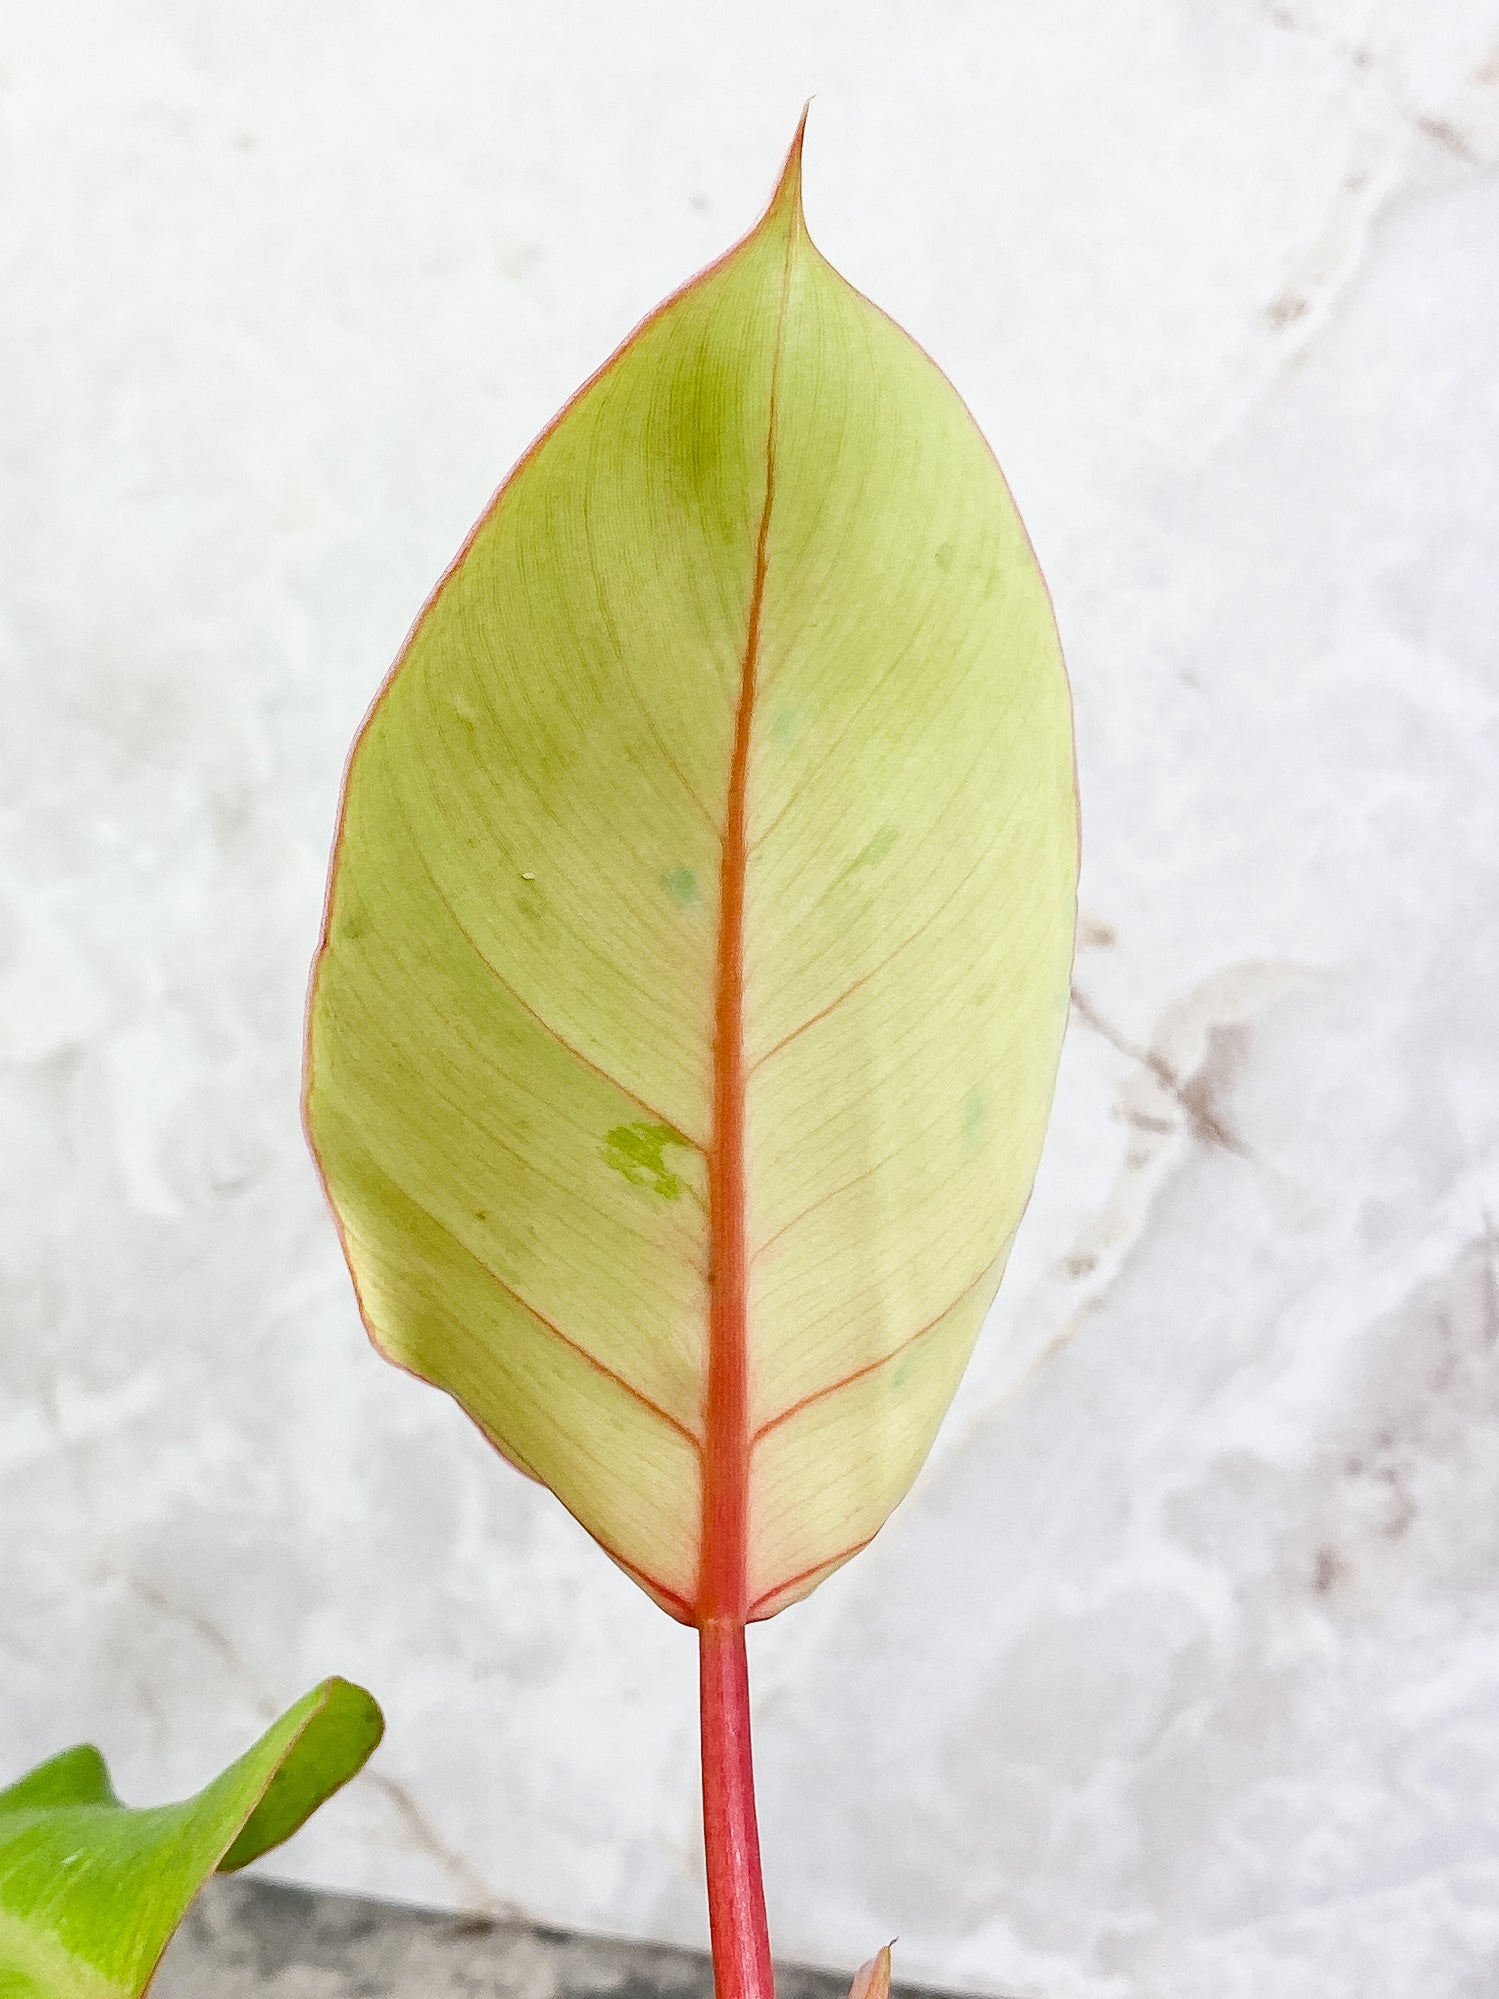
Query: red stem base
[(731, 1838)]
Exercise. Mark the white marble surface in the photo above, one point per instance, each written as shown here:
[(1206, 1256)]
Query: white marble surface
[(1179, 1675)]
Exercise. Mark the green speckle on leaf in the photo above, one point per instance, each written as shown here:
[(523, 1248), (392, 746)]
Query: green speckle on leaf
[(876, 849), (785, 725), (944, 555), (869, 855), (637, 1151), (974, 1106), (681, 885)]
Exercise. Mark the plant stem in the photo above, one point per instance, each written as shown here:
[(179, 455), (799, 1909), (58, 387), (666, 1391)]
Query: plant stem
[(731, 1838)]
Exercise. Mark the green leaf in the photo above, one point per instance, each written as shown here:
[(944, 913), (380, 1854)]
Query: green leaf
[(698, 939), (91, 1891)]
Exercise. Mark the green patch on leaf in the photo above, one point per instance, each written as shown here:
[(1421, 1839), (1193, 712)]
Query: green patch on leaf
[(91, 1890), (639, 1152), (681, 885)]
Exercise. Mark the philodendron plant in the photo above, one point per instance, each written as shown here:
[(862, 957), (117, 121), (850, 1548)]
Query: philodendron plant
[(91, 1891), (696, 959)]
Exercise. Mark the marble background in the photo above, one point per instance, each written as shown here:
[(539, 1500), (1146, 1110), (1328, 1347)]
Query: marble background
[(1179, 1673)]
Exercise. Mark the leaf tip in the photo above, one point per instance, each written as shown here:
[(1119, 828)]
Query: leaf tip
[(872, 1980), (786, 203)]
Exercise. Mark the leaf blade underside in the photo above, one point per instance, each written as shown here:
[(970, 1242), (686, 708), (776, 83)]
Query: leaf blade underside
[(698, 937)]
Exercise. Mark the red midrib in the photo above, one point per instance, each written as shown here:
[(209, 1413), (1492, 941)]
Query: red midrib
[(723, 1565), (723, 1562)]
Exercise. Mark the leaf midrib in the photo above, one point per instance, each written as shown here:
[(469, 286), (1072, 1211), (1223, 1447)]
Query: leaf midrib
[(723, 1564)]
